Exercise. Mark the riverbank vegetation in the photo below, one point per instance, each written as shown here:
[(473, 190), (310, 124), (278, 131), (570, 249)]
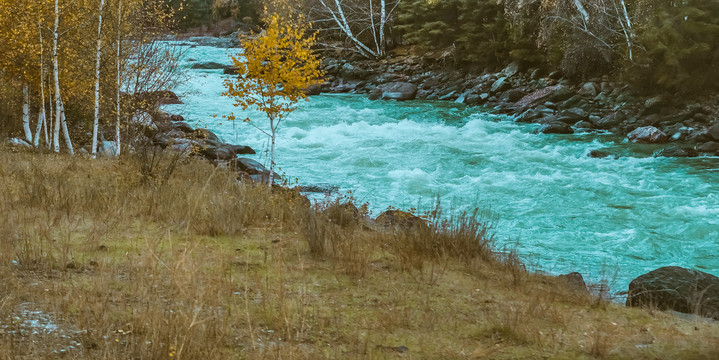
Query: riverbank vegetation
[(653, 46), (102, 260)]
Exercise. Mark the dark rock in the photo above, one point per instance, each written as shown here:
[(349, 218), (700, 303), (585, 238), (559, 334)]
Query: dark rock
[(556, 127), (249, 166), (677, 152), (513, 68), (598, 154), (177, 118), (572, 116), (647, 135), (500, 85), (710, 147), (584, 124), (242, 150), (401, 219), (164, 97), (205, 134), (610, 120), (399, 91), (472, 99), (652, 105), (218, 152), (528, 116), (675, 288), (352, 72), (313, 90), (512, 95), (537, 97), (575, 281), (714, 132), (561, 93), (375, 94), (430, 83), (588, 89), (183, 126), (208, 66), (230, 70), (319, 188), (343, 214)]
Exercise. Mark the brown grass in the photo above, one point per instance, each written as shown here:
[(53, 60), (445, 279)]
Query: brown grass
[(98, 264)]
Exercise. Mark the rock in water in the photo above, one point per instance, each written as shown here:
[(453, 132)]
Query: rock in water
[(647, 135), (399, 91), (556, 127), (675, 288)]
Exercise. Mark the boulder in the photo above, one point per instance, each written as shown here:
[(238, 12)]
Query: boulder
[(313, 90), (584, 125), (500, 85), (610, 120), (400, 219), (588, 89), (714, 132), (511, 69), (561, 93), (538, 97), (183, 126), (352, 72), (205, 134), (575, 281), (343, 214), (399, 91), (242, 150), (512, 95), (177, 118), (572, 116), (556, 127), (248, 166), (652, 105), (647, 135), (710, 147), (598, 154), (679, 289), (677, 152), (214, 151)]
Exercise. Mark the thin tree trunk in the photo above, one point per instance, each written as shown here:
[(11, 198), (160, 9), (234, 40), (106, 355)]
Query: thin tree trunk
[(272, 153), (56, 78), (98, 53), (382, 24), (41, 114), (119, 79), (65, 131), (582, 10), (26, 112)]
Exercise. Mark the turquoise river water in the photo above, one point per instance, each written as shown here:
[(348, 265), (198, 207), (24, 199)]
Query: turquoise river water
[(610, 219)]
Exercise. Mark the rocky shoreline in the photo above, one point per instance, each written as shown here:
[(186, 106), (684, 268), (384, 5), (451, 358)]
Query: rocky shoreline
[(532, 96)]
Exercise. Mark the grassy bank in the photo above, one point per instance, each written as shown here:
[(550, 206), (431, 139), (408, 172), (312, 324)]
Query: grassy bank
[(101, 259)]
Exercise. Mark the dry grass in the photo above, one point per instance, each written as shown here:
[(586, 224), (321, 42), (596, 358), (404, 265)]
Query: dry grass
[(98, 264)]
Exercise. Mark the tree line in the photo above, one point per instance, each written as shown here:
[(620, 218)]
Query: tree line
[(655, 45)]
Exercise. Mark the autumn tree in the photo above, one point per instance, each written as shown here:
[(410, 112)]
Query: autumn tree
[(273, 73)]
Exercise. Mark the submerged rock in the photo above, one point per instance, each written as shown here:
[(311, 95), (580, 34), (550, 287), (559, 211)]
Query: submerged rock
[(677, 152), (556, 127), (679, 289)]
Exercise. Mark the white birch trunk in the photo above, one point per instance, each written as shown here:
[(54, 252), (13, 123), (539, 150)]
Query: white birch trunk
[(341, 20), (272, 155), (98, 53), (26, 112), (382, 24), (582, 10), (119, 79), (41, 114), (65, 131), (56, 78), (629, 31)]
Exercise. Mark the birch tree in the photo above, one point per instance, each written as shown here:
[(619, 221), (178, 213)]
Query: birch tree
[(364, 23), (98, 54), (273, 72)]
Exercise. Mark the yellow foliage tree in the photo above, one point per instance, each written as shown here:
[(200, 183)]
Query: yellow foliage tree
[(273, 73)]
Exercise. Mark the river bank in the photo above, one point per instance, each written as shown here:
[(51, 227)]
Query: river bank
[(690, 127)]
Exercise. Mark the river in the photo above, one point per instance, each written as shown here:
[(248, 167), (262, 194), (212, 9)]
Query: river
[(609, 219)]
